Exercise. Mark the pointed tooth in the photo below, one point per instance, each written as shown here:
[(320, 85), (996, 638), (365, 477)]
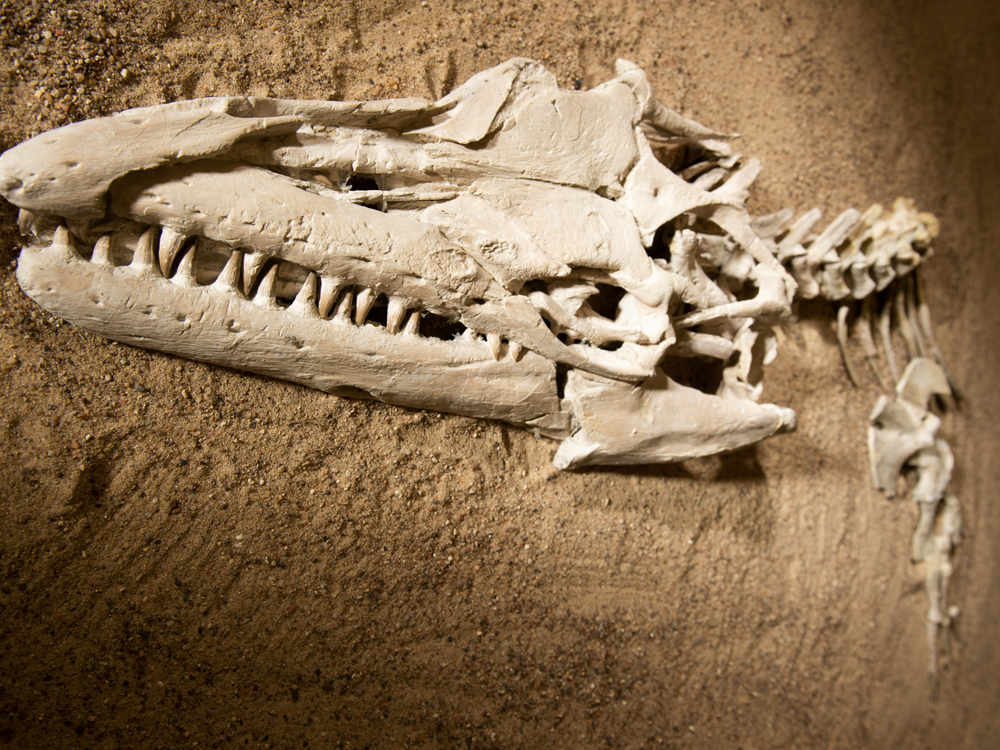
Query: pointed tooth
[(63, 240), (171, 242), (344, 307), (412, 327), (229, 279), (142, 259), (305, 301), (79, 228), (185, 275), (265, 292), (328, 288), (102, 251), (396, 313), (26, 220), (252, 263), (363, 306), (494, 342), (515, 350)]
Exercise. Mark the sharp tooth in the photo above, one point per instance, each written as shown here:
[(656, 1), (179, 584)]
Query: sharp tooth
[(63, 240), (142, 259), (80, 228), (328, 288), (252, 263), (171, 242), (396, 313), (185, 269), (265, 292), (102, 251), (343, 311), (305, 301), (366, 298), (229, 279), (515, 350), (26, 220), (494, 342), (412, 327)]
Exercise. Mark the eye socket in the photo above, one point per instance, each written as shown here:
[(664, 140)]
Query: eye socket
[(605, 302)]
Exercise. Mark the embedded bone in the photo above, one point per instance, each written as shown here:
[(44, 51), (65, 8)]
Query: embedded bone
[(695, 421), (904, 433), (936, 553), (922, 379), (898, 431)]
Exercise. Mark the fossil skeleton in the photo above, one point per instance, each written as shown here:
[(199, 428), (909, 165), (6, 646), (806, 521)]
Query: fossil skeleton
[(580, 263), (484, 255)]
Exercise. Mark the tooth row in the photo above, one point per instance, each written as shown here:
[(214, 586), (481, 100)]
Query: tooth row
[(495, 342), (321, 297), (318, 297)]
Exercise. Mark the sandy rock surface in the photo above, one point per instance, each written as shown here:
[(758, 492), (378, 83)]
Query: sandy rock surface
[(194, 557)]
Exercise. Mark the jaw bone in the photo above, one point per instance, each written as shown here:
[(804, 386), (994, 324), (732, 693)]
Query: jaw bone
[(514, 223)]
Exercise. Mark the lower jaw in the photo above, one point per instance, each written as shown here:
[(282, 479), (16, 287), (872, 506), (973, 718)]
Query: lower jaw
[(220, 326), (607, 421)]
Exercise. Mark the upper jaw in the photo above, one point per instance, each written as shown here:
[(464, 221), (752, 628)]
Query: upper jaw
[(270, 218)]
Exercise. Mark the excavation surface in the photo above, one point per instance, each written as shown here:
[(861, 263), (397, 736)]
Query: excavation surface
[(192, 556)]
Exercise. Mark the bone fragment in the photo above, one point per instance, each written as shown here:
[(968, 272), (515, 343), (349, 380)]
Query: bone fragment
[(905, 327), (865, 328), (700, 424), (922, 379)]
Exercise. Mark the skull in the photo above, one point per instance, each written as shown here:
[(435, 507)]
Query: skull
[(579, 263)]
